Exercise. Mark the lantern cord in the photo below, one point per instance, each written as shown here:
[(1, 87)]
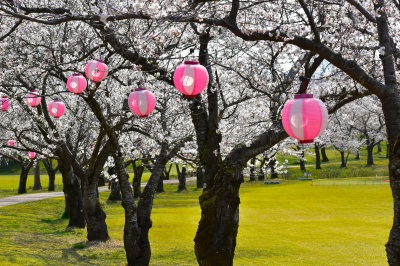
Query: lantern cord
[(304, 83)]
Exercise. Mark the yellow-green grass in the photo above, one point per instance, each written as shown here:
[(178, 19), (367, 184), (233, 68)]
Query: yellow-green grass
[(9, 184), (293, 223)]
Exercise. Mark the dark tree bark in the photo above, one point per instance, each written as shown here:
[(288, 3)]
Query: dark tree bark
[(51, 172), (253, 169), (102, 180), (94, 214), (317, 156), (73, 196), (271, 165), (199, 176), (167, 172), (343, 160), (261, 175), (323, 154), (370, 151), (182, 179), (23, 176), (160, 185), (379, 147), (137, 180), (302, 160), (358, 155), (37, 185)]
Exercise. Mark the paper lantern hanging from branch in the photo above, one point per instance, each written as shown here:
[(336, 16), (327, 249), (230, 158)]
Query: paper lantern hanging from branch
[(96, 70), (142, 102), (76, 83), (11, 142), (4, 103), (190, 78), (304, 117), (56, 108), (32, 98), (31, 155)]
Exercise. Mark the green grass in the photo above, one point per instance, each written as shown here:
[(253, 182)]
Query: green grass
[(294, 223), (9, 184)]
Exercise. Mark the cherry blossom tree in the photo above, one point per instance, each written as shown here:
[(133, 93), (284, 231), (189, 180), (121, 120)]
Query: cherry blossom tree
[(253, 51)]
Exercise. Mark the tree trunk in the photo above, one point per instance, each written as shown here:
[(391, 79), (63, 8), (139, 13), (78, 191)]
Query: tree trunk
[(261, 175), (357, 155), (160, 185), (167, 172), (199, 176), (370, 157), (73, 197), (144, 211), (102, 180), (271, 164), (137, 180), (253, 169), (379, 147), (182, 179), (51, 172), (131, 228), (115, 194), (302, 160), (37, 184), (393, 244), (343, 160), (23, 177), (323, 154), (94, 214), (215, 239), (317, 156)]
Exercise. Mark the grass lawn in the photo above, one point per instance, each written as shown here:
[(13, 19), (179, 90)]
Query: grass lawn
[(294, 223)]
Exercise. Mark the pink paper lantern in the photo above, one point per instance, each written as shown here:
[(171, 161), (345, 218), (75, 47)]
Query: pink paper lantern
[(142, 102), (4, 103), (56, 108), (11, 142), (190, 78), (304, 118), (31, 155), (76, 83), (96, 70), (32, 98)]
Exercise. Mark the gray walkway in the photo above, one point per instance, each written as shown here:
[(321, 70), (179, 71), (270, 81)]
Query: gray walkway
[(46, 195)]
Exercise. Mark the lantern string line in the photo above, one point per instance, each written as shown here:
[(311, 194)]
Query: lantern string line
[(304, 84)]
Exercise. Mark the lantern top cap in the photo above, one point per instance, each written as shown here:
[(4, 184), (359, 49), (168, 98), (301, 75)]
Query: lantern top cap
[(99, 60), (191, 62), (303, 96), (76, 74), (4, 96), (140, 89), (32, 89)]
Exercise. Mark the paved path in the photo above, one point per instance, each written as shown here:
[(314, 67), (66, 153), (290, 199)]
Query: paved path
[(46, 195)]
